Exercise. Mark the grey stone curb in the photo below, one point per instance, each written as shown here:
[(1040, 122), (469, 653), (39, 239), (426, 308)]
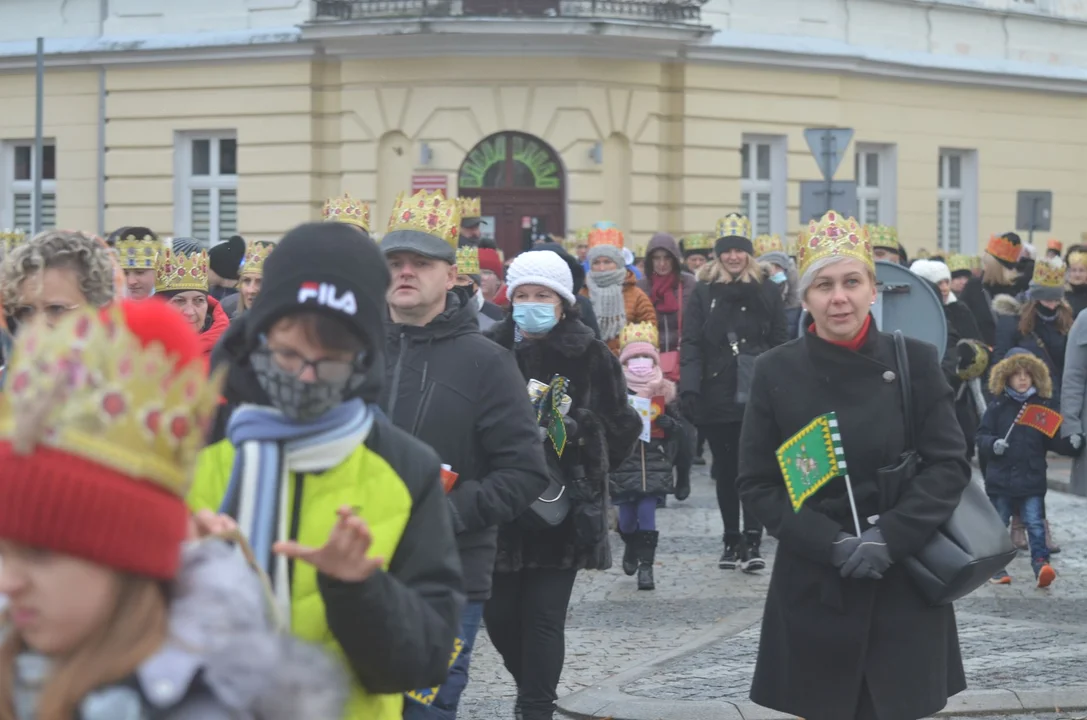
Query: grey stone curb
[(607, 700)]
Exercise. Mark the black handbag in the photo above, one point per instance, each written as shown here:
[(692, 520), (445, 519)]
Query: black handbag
[(553, 505), (745, 370), (972, 545)]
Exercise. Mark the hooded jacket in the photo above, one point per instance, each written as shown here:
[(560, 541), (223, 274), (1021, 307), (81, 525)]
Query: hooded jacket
[(222, 659), (668, 324), (584, 305), (215, 325), (462, 395)]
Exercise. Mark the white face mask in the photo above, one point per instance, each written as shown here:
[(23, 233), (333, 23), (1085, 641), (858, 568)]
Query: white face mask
[(640, 366)]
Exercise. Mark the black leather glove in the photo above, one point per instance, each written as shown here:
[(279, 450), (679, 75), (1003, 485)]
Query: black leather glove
[(683, 484), (665, 422), (688, 404), (871, 558), (842, 549)]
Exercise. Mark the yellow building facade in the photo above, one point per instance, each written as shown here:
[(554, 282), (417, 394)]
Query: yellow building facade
[(209, 146)]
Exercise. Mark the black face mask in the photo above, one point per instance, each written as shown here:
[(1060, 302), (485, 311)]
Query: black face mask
[(298, 400)]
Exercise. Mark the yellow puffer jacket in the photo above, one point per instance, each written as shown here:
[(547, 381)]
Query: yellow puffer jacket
[(395, 631)]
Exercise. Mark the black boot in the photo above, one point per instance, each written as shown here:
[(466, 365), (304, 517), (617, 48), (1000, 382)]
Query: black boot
[(753, 559), (731, 556), (683, 484), (630, 552), (647, 552)]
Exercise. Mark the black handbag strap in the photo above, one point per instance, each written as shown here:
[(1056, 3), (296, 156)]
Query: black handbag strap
[(905, 385)]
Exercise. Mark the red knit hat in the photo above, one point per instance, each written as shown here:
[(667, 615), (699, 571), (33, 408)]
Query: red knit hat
[(100, 425), (489, 260)]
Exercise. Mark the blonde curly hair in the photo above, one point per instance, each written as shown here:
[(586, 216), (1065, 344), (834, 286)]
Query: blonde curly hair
[(64, 249)]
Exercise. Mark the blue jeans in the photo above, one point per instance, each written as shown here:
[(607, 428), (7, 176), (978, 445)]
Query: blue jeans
[(445, 702), (1032, 514)]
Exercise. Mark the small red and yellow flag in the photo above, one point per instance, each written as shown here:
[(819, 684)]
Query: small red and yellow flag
[(1041, 419)]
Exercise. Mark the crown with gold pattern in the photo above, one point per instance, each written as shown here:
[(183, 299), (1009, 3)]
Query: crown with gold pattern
[(697, 242), (90, 388), (884, 237), (1078, 258), (138, 250), (470, 207), (639, 333), (581, 235), (255, 255), (180, 272), (606, 236), (1004, 249), (768, 244), (1049, 273), (468, 260), (734, 225), (958, 262), (347, 210), (429, 213), (11, 239), (834, 235)]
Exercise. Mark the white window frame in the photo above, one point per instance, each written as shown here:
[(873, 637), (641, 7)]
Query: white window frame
[(886, 192), (9, 186), (776, 186), (185, 182), (966, 194)]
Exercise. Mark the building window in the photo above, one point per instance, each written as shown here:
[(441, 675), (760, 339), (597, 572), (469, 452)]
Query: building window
[(956, 203), (206, 203), (875, 171), (763, 174), (17, 208)]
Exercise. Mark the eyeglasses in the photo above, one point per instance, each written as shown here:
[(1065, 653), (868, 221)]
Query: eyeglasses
[(25, 313), (293, 363)]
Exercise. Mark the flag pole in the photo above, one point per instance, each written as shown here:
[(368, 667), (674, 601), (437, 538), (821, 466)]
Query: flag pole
[(853, 505), (1015, 422), (839, 457)]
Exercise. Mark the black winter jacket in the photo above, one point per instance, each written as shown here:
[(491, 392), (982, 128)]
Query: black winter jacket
[(648, 470), (1021, 471), (460, 393), (607, 428), (755, 312), (1046, 343)]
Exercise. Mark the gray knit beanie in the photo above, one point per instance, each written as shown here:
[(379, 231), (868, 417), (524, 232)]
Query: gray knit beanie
[(608, 251)]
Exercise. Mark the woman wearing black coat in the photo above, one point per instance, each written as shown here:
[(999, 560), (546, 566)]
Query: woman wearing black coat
[(734, 310), (535, 568), (867, 644)]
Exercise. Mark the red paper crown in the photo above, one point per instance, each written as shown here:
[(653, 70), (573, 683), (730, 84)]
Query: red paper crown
[(1003, 249), (606, 236)]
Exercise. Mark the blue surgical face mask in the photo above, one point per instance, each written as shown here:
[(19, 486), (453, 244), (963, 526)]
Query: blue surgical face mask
[(535, 318), (779, 277)]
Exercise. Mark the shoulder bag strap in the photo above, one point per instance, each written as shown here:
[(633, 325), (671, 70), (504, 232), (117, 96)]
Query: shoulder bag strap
[(679, 328), (906, 386)]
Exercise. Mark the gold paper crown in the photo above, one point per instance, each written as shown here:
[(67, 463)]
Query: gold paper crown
[(11, 239), (428, 213), (347, 210), (1048, 273), (640, 250), (606, 236), (581, 235), (639, 332), (883, 236), (138, 253), (834, 235), (109, 399), (734, 225), (1077, 258), (468, 260), (801, 238), (768, 244), (470, 207), (922, 254), (959, 263), (976, 262), (255, 255), (1003, 249), (177, 271), (697, 242)]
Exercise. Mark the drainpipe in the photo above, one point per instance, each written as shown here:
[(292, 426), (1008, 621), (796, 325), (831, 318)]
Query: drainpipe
[(102, 150)]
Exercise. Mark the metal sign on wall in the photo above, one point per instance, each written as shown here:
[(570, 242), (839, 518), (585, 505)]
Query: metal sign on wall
[(430, 183)]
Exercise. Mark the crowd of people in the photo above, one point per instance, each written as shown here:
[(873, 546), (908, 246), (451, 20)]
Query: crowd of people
[(297, 478)]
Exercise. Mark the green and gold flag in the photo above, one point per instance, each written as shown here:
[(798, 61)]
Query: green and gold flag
[(812, 458)]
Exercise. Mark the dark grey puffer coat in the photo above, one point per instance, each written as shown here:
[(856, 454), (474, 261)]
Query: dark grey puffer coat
[(648, 470)]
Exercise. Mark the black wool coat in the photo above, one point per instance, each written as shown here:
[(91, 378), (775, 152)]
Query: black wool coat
[(607, 428), (753, 311), (822, 635)]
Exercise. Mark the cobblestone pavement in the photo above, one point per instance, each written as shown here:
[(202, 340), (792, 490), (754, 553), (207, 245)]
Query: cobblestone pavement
[(1012, 636)]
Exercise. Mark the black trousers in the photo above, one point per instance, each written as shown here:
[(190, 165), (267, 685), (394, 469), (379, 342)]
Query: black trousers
[(724, 440), (526, 621)]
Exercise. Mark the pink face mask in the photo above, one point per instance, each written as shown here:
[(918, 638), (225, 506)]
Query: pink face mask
[(640, 366)]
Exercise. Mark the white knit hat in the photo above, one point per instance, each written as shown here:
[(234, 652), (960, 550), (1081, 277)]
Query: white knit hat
[(541, 267), (932, 270)]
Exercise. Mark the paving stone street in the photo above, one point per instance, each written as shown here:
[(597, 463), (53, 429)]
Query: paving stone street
[(687, 649)]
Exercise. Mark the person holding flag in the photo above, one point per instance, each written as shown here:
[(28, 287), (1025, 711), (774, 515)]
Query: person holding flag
[(846, 632), (1019, 427)]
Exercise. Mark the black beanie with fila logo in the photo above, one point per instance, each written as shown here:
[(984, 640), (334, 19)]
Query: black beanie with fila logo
[(330, 268)]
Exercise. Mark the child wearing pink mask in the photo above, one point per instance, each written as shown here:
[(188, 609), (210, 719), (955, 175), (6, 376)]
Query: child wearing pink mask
[(656, 468)]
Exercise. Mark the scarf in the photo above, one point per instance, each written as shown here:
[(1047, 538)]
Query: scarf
[(650, 386), (854, 344), (1021, 396), (663, 293), (269, 449), (606, 294)]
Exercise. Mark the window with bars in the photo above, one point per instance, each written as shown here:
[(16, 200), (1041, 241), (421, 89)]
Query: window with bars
[(17, 209), (875, 173), (951, 197), (206, 206), (762, 183)]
